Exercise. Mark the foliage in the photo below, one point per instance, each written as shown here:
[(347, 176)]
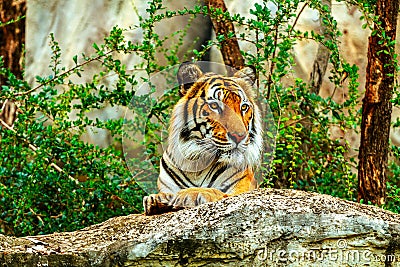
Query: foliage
[(51, 180), (306, 157)]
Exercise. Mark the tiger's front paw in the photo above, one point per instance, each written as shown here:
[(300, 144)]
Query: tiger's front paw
[(186, 198), (158, 203), (191, 197)]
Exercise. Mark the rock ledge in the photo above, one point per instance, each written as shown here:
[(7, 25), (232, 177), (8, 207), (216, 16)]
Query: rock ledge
[(263, 227)]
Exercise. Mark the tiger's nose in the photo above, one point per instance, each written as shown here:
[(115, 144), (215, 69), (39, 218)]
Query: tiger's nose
[(236, 137)]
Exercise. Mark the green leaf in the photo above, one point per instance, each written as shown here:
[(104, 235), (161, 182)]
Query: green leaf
[(96, 47)]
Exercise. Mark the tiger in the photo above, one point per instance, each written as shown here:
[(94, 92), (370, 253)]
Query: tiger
[(214, 141)]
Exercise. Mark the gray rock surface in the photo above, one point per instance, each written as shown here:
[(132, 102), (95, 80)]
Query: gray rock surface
[(264, 227)]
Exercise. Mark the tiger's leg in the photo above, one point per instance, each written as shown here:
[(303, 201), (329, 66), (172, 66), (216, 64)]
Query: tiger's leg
[(185, 198)]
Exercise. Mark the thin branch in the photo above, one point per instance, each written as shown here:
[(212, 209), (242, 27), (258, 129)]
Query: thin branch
[(298, 17), (64, 73), (273, 62), (34, 149)]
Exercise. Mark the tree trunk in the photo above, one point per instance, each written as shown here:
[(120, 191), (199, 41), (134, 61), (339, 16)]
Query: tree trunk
[(261, 228), (322, 58), (377, 108), (229, 46), (12, 40)]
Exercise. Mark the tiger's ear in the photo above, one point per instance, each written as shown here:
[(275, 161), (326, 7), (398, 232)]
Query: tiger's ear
[(188, 74), (247, 73)]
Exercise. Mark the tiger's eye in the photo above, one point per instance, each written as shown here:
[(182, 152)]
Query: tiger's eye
[(213, 105), (244, 107)]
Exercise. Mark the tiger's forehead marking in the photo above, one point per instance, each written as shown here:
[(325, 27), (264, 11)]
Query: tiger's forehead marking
[(221, 88)]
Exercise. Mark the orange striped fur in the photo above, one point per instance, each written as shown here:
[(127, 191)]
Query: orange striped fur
[(215, 141)]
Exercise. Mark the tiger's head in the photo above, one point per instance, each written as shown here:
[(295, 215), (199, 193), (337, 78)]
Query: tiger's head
[(216, 120)]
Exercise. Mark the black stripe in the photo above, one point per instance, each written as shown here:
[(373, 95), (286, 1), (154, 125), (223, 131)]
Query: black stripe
[(165, 185), (201, 88), (187, 134), (210, 172), (173, 175), (194, 110), (226, 188), (216, 175), (197, 127), (253, 132), (230, 177), (203, 94), (181, 173), (252, 135), (184, 134), (230, 84), (217, 91), (217, 84), (211, 80), (185, 111), (203, 104), (220, 141)]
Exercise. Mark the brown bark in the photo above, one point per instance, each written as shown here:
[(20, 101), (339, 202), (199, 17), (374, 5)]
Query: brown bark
[(377, 108), (229, 47), (321, 59), (12, 36), (12, 40)]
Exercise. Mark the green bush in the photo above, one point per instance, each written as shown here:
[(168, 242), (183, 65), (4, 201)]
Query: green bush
[(50, 180)]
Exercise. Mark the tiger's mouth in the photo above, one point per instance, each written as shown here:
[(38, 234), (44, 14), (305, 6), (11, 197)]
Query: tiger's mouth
[(204, 151), (233, 148)]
